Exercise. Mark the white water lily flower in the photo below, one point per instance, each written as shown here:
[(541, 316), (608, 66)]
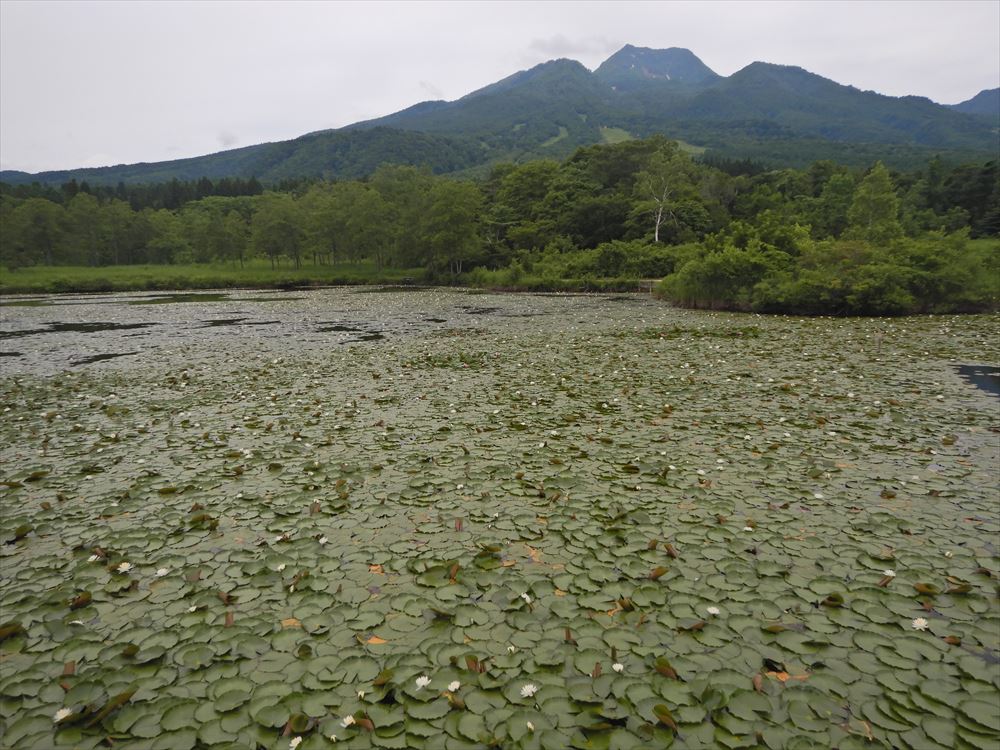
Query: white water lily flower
[(332, 738), (920, 624), (281, 567), (526, 597), (192, 608), (323, 540), (889, 573), (618, 667), (528, 690), (61, 714), (76, 622), (347, 721), (949, 553), (454, 686), (422, 681), (511, 649), (361, 694), (294, 743), (713, 611), (531, 727), (748, 528), (124, 567), (161, 572), (93, 558)]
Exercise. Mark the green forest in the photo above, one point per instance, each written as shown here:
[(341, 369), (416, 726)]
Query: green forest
[(717, 234)]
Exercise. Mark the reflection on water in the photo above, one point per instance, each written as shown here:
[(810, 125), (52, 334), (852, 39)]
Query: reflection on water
[(73, 328), (226, 322), (168, 299), (99, 358), (982, 376)]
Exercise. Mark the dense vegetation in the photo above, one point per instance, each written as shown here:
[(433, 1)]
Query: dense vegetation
[(826, 239)]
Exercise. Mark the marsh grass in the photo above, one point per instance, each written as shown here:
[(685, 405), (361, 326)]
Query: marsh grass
[(256, 274)]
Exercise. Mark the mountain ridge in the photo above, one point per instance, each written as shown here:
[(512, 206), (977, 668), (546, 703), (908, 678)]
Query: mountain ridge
[(986, 102), (550, 109)]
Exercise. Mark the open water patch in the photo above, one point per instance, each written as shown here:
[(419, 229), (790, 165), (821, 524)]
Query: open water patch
[(74, 328), (226, 322), (983, 377), (169, 299), (99, 358), (338, 328)]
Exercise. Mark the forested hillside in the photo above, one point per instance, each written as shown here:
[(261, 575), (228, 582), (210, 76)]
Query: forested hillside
[(779, 115), (826, 239)]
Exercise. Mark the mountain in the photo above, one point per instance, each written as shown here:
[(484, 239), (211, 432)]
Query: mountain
[(986, 102), (779, 114), (631, 67), (805, 104), (327, 154), (549, 110)]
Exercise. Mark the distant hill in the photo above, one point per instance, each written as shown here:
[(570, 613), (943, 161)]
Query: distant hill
[(328, 154), (782, 115), (986, 102)]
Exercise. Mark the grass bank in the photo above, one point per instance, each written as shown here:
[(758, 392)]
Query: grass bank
[(254, 275), (258, 274)]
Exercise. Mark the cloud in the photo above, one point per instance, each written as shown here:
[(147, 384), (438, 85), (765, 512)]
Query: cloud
[(562, 46), (226, 138), (431, 89)]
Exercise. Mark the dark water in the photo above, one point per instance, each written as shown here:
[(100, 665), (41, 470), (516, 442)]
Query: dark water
[(982, 376), (73, 328), (99, 358), (225, 322)]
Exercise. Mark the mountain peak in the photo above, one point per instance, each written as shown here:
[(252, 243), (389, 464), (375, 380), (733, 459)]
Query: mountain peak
[(552, 69), (675, 64)]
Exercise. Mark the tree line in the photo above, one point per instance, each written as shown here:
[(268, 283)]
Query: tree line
[(644, 208)]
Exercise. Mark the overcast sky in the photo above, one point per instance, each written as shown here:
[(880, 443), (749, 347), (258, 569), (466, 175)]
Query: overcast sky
[(96, 83)]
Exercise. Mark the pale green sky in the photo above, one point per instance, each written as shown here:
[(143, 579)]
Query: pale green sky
[(95, 83)]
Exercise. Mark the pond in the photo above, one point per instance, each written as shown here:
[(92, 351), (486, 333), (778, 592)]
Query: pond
[(447, 519)]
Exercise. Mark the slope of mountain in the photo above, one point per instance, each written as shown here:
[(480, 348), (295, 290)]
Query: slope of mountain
[(630, 67), (780, 114), (986, 102), (549, 110), (805, 104), (328, 154)]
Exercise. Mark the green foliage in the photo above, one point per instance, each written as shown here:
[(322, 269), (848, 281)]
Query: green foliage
[(936, 274), (816, 241), (277, 228), (255, 273), (874, 212)]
